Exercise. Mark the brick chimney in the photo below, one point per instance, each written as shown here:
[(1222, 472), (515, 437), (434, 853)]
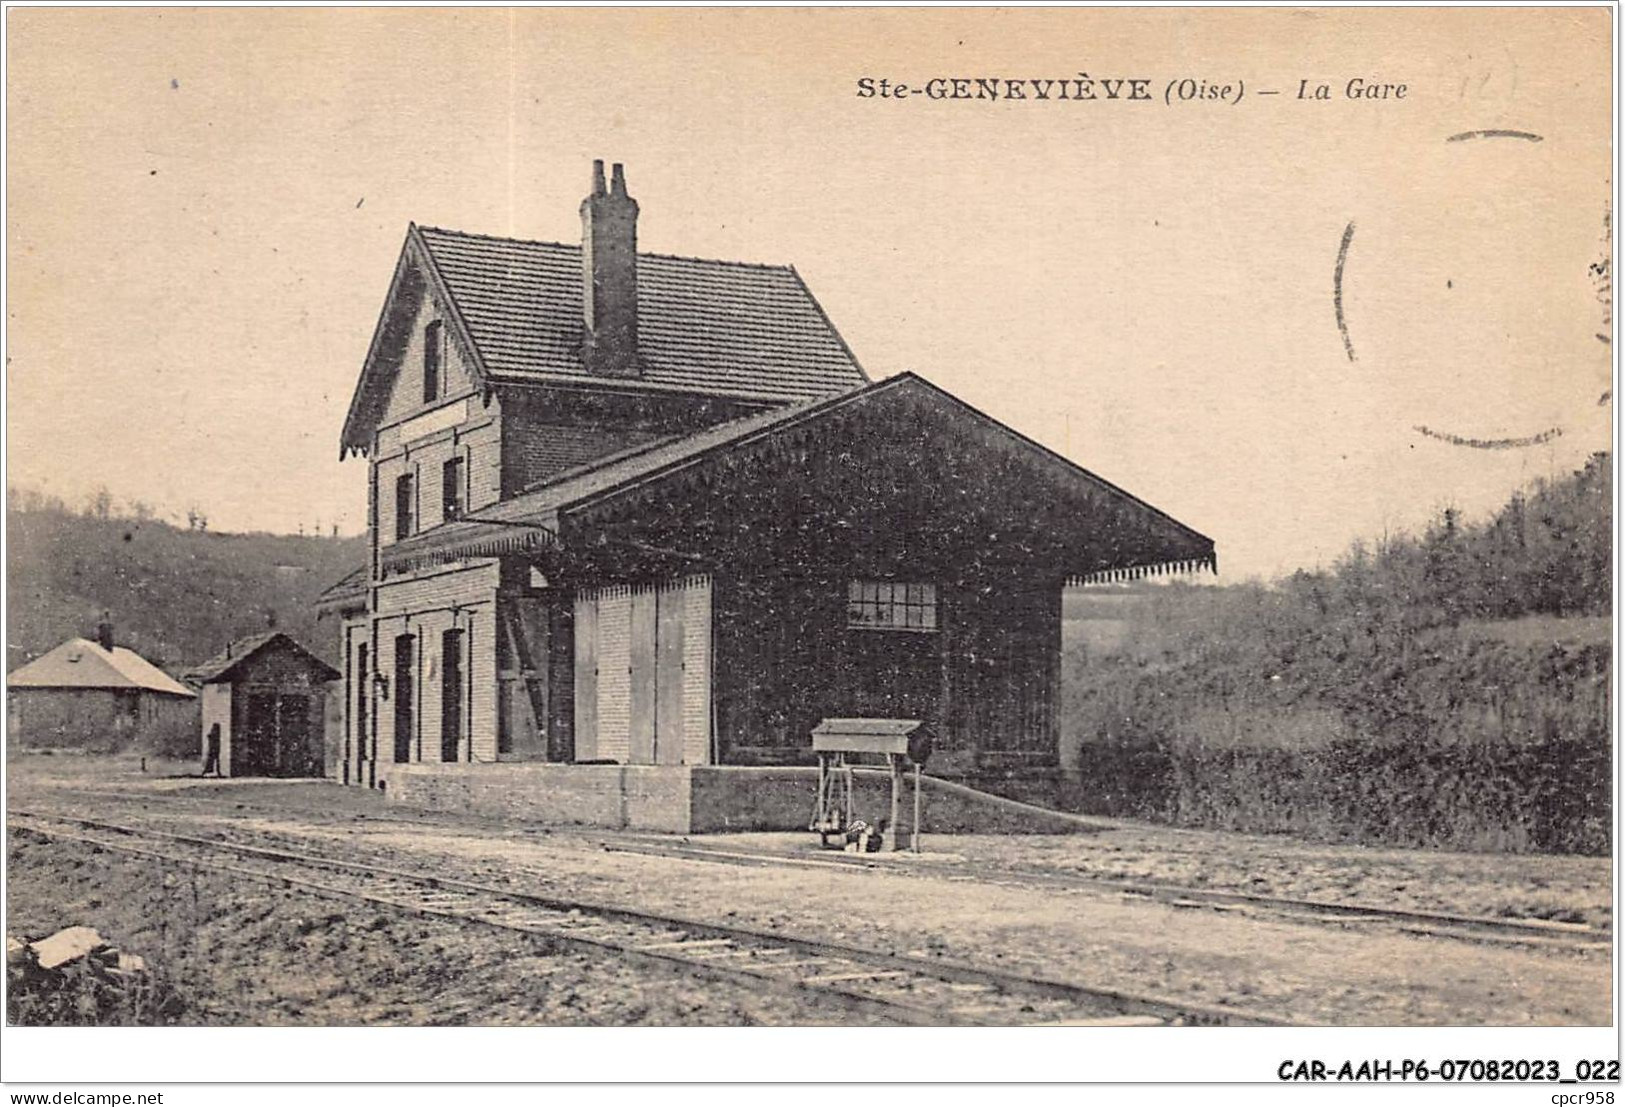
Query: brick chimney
[(104, 632), (609, 276)]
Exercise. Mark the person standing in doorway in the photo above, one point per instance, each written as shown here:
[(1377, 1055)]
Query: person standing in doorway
[(211, 759)]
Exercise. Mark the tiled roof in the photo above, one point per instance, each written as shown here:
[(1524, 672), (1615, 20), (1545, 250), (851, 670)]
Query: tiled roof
[(221, 665), (81, 663), (229, 657), (708, 326)]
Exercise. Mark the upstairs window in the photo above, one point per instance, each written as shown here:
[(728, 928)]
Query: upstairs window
[(406, 502), (434, 348), (452, 501), (890, 605)]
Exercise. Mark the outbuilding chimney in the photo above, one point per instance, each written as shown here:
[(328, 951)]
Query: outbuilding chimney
[(609, 276), (104, 632)]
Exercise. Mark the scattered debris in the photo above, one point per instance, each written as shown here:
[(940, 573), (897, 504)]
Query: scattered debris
[(76, 977), (67, 945)]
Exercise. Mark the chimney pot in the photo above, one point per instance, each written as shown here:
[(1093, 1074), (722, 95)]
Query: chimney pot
[(104, 633), (609, 276)]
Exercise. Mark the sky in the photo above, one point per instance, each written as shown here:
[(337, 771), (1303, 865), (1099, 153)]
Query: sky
[(205, 208)]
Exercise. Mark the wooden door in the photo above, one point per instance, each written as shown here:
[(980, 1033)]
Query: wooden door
[(641, 668), (669, 678), (292, 736), (451, 695), (253, 747), (586, 677), (405, 713)]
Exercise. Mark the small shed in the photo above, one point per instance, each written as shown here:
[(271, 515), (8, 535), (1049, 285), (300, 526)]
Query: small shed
[(268, 694), (93, 695)]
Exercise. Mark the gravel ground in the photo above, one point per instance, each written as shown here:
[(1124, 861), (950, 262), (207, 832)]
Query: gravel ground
[(1305, 971), (1567, 889), (241, 953)]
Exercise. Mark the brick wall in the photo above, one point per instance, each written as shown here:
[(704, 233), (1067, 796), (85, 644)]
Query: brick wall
[(101, 721), (422, 606), (406, 391), (615, 796), (548, 432), (545, 450), (333, 731), (477, 442)]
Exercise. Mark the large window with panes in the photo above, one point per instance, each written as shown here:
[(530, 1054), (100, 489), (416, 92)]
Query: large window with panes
[(891, 605)]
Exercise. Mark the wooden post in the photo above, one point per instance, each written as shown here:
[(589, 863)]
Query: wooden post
[(896, 787), (916, 834), (944, 721)]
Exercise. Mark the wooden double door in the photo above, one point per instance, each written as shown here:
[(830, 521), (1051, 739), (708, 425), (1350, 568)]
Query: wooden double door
[(275, 736), (643, 683)]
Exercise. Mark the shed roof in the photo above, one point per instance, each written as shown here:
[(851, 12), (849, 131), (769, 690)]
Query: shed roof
[(226, 664), (348, 593), (84, 664), (531, 519), (522, 523)]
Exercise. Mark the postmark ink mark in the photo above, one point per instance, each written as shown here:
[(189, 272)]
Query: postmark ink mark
[(1337, 289), (1601, 273), (1490, 443), (1527, 136)]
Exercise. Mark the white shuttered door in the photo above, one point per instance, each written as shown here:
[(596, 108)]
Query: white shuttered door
[(605, 672)]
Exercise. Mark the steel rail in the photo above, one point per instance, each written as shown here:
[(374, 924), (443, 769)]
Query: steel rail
[(1478, 928), (902, 987), (1438, 923)]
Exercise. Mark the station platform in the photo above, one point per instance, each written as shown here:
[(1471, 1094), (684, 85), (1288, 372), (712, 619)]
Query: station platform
[(700, 799)]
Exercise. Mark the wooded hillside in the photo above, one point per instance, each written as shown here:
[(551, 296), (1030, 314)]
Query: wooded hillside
[(1449, 688), (176, 595)]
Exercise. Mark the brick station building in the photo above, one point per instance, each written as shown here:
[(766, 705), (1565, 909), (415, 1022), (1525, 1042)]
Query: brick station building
[(635, 510)]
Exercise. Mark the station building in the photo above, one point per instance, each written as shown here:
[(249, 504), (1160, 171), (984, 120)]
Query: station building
[(638, 522)]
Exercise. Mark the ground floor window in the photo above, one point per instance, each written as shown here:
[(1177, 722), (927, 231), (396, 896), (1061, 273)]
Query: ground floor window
[(891, 605)]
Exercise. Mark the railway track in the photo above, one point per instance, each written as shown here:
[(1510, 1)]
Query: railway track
[(874, 983), (1516, 932), (1479, 928)]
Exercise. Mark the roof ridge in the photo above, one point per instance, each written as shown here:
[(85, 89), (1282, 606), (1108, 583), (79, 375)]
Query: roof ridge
[(784, 267), (499, 237)]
